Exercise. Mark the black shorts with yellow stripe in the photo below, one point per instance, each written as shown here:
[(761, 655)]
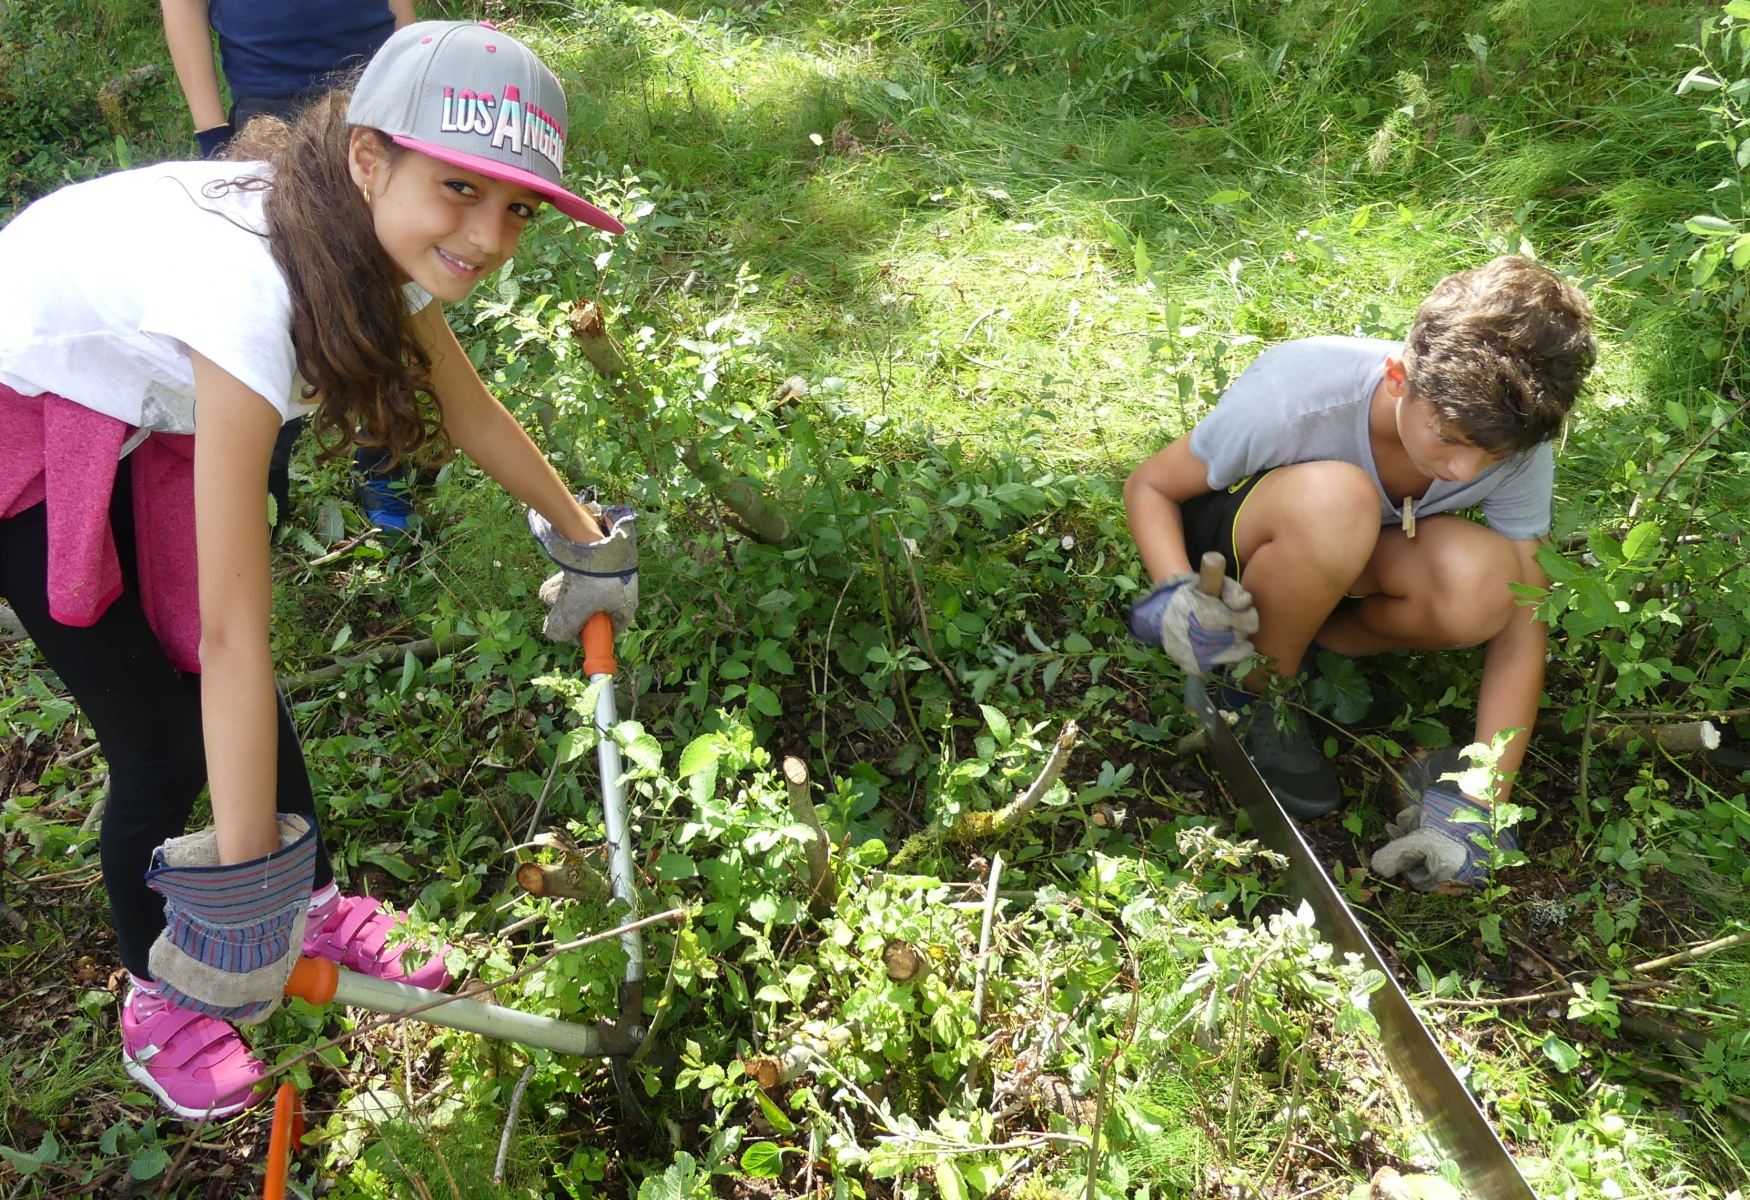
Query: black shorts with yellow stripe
[(1210, 520)]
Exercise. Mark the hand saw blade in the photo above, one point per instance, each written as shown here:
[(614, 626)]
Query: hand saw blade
[(1453, 1119)]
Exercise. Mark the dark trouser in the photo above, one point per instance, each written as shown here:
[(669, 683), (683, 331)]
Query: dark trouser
[(147, 715), (368, 462)]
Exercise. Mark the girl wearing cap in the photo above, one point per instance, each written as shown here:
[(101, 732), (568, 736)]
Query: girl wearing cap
[(134, 537)]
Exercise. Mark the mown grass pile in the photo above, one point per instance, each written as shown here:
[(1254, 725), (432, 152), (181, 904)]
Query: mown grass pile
[(1011, 248)]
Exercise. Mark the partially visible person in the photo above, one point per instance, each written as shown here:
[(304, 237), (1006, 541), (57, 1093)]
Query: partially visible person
[(279, 58), (1330, 477)]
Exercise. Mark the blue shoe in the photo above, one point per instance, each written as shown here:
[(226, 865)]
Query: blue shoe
[(384, 499)]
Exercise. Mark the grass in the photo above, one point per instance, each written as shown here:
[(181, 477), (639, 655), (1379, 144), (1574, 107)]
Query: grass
[(1051, 228)]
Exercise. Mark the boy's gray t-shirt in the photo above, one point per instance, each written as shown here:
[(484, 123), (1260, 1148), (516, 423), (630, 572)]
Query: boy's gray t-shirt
[(1309, 401)]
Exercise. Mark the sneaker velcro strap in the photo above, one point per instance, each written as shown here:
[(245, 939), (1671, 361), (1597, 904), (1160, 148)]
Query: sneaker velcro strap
[(176, 1050), (361, 913)]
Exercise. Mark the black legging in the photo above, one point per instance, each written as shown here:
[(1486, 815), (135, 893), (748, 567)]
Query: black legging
[(147, 715)]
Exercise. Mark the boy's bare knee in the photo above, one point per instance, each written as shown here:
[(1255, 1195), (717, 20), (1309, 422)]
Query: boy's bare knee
[(1332, 510), (1472, 598), (1324, 503)]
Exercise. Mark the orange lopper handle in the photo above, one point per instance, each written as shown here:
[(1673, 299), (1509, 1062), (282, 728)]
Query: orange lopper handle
[(598, 646), (286, 1139), (313, 979)]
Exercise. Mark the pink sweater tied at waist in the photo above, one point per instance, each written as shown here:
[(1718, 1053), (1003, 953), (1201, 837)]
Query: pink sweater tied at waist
[(64, 455)]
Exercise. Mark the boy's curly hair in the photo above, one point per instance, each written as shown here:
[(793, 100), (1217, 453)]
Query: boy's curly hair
[(1501, 352)]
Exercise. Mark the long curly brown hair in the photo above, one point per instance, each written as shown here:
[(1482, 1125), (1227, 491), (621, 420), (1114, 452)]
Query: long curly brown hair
[(356, 341)]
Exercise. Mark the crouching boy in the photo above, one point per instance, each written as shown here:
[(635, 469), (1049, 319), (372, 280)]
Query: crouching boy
[(1328, 477)]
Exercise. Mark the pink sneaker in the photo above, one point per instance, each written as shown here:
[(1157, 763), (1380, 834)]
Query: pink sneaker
[(353, 931), (196, 1065)]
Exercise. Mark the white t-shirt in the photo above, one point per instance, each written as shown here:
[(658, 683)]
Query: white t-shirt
[(110, 283)]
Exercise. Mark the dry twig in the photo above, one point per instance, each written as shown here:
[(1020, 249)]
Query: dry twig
[(516, 1106), (1692, 953)]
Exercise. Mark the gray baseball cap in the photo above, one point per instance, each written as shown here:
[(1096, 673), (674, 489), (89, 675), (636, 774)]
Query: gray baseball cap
[(474, 97)]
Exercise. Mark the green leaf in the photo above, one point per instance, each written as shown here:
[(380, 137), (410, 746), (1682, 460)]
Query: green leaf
[(1340, 689), (676, 1183), (1604, 548), (897, 92), (148, 1162), (646, 751), (1564, 1056), (700, 753), (1677, 415), (779, 1119), (1739, 9), (1227, 196), (1707, 261), (1430, 733), (676, 866), (1144, 264), (1556, 565), (1708, 225), (999, 724), (948, 1180), (763, 699), (340, 639), (29, 1164), (576, 743), (330, 523), (389, 863), (763, 1160), (1641, 539), (981, 1175)]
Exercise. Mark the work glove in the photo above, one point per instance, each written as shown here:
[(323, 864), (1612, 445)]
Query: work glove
[(213, 140), (231, 933), (1200, 631), (597, 577), (1436, 841)]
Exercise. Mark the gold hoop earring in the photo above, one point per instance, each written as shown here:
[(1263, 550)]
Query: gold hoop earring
[(367, 195)]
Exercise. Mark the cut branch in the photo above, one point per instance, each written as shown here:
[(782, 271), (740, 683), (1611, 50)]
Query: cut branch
[(775, 1070), (572, 880), (822, 886), (1692, 953), (991, 895), (426, 650), (1021, 807), (753, 516), (1677, 737), (978, 827)]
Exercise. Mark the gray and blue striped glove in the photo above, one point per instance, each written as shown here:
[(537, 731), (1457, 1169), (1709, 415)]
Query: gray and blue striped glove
[(231, 933), (1433, 842), (1200, 631), (594, 576)]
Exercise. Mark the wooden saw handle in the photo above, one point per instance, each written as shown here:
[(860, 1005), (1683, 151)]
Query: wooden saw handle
[(1210, 573)]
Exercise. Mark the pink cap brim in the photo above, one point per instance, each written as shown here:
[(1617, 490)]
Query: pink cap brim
[(575, 207)]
